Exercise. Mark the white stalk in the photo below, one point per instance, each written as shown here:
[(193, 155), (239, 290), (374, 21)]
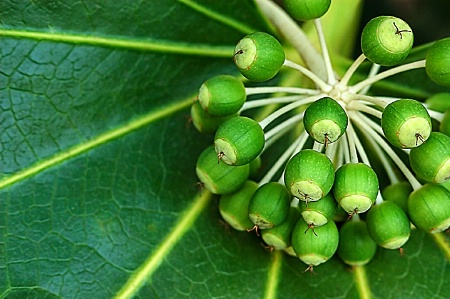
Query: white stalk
[(268, 101), (359, 146), (290, 30), (280, 89), (299, 142), (436, 115), (373, 71), (358, 106), (326, 56), (318, 81), (396, 70), (351, 70), (369, 127), (283, 127), (349, 97), (266, 121)]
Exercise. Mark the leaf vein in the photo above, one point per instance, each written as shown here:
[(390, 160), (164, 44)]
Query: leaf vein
[(124, 43), (93, 143)]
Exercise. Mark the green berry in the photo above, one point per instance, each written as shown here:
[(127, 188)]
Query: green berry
[(218, 177), (439, 102), (325, 120), (304, 10), (429, 208), (431, 160), (356, 247), (309, 175), (315, 248), (406, 123), (279, 237), (319, 212), (386, 40), (234, 206), (398, 193), (259, 56), (239, 140), (222, 95), (269, 205), (355, 187), (388, 225), (205, 122), (438, 62)]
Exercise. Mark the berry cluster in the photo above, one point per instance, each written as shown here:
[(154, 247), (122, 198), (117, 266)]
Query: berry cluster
[(325, 175)]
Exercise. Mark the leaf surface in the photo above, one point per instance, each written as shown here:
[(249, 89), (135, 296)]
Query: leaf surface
[(97, 164)]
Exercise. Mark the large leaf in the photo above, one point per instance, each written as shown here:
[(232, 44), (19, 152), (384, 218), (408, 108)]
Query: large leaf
[(97, 164)]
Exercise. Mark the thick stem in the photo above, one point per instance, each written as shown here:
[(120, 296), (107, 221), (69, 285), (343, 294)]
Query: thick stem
[(293, 34)]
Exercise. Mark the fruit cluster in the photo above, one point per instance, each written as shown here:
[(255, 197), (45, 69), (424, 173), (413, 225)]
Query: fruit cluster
[(326, 176)]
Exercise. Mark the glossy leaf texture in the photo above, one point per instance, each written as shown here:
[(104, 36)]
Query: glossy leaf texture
[(98, 194)]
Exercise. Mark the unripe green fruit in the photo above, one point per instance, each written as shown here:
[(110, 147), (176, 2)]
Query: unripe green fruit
[(279, 237), (439, 102), (431, 160), (398, 193), (239, 140), (319, 212), (309, 175), (222, 95), (388, 225), (386, 40), (205, 122), (269, 205), (429, 208), (406, 123), (234, 206), (304, 10), (355, 187), (218, 177), (315, 248), (259, 56), (325, 120), (356, 247), (438, 62)]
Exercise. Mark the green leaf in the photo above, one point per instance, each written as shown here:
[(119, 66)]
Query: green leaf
[(98, 194)]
